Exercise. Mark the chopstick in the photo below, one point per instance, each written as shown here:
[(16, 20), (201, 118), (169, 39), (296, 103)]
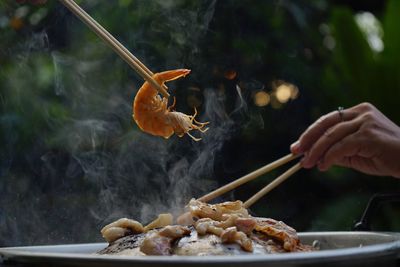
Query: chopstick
[(247, 178), (122, 51), (272, 185)]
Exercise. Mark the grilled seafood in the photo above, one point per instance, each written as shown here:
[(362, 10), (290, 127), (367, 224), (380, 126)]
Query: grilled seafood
[(121, 228), (278, 230), (160, 242), (216, 211), (152, 115), (218, 229)]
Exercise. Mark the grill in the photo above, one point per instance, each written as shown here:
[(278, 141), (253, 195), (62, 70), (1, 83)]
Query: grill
[(336, 249)]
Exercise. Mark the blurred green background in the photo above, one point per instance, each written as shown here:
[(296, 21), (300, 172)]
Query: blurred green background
[(72, 159)]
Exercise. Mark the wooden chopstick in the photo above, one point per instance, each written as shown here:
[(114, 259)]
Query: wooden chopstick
[(272, 185), (124, 53), (251, 176)]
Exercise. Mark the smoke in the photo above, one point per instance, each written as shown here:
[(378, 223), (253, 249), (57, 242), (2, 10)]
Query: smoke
[(150, 175), (175, 34), (39, 42), (189, 25)]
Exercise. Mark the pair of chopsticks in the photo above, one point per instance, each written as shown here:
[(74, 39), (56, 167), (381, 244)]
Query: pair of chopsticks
[(251, 176), (124, 53)]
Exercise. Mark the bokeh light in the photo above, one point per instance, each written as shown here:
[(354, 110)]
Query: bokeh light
[(230, 74), (372, 29), (261, 99), (283, 93)]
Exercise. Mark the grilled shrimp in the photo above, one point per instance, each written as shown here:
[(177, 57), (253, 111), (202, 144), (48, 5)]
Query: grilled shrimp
[(153, 116)]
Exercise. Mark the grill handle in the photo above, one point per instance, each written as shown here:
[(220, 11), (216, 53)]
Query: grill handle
[(373, 204)]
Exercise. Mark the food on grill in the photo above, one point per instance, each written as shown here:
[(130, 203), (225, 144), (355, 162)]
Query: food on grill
[(152, 115), (206, 229), (124, 226)]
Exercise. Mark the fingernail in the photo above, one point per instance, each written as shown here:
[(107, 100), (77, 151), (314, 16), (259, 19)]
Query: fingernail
[(295, 147)]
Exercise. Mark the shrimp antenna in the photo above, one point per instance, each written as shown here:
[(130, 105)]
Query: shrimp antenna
[(194, 138)]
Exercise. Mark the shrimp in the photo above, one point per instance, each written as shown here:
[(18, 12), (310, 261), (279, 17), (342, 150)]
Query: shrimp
[(153, 116)]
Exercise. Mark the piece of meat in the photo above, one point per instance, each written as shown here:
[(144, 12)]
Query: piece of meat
[(216, 211), (208, 226), (114, 233), (174, 231), (127, 245), (186, 219), (228, 220), (162, 220), (275, 246), (232, 235), (245, 225), (155, 244), (278, 230), (121, 228), (270, 245), (159, 242)]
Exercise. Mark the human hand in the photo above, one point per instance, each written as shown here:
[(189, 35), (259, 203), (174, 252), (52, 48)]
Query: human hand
[(360, 137)]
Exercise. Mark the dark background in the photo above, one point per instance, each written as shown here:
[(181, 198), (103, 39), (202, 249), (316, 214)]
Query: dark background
[(72, 159)]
